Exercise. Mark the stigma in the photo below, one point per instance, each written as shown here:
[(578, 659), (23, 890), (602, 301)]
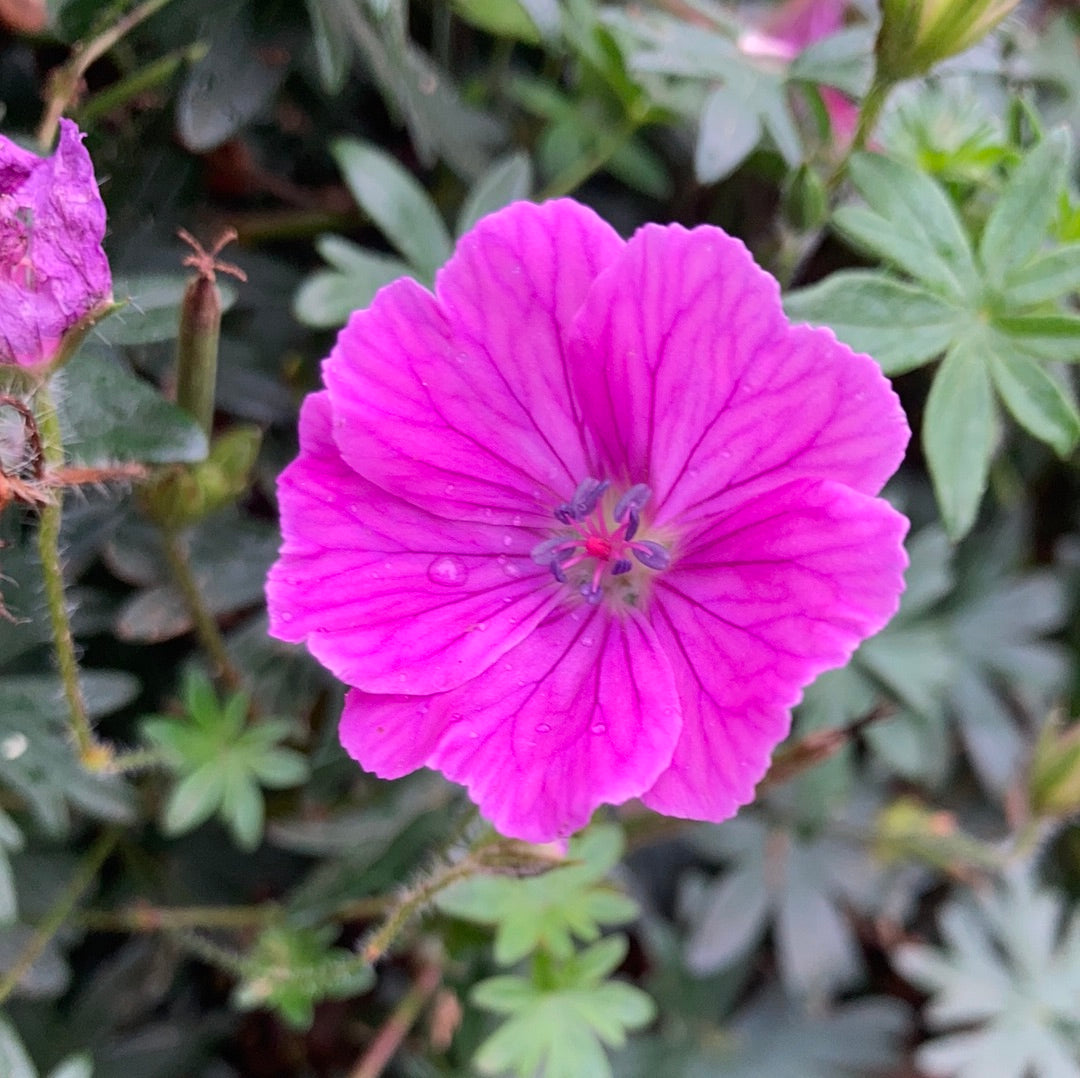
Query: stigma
[(599, 541)]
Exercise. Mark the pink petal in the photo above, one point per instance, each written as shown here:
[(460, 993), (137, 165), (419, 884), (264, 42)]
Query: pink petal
[(583, 713), (695, 383), (461, 402), (53, 270), (387, 596), (777, 591)]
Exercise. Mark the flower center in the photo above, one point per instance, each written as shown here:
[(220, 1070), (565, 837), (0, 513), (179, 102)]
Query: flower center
[(599, 543)]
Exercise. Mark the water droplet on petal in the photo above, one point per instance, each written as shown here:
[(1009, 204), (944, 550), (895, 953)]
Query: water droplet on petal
[(450, 488), (586, 641), (508, 540), (286, 616), (543, 728), (449, 571), (516, 522), (599, 728)]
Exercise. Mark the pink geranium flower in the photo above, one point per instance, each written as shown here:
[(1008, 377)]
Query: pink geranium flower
[(53, 271), (580, 526)]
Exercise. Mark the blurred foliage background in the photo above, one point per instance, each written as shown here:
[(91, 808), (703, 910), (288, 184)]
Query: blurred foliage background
[(230, 895)]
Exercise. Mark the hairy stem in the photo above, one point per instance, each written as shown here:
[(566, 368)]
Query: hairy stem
[(58, 914), (67, 663), (206, 626), (869, 111)]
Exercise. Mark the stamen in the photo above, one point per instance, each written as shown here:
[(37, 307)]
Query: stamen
[(587, 496), (632, 502), (621, 566), (548, 552), (651, 555)]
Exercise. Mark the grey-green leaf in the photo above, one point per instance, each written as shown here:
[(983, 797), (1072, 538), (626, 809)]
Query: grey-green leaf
[(1036, 401), (911, 202), (901, 325), (111, 415), (959, 434), (509, 179), (394, 200), (1018, 224), (327, 298), (729, 130), (1047, 277)]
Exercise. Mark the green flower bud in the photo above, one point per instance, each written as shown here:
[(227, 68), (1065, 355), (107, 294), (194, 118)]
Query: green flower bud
[(917, 34)]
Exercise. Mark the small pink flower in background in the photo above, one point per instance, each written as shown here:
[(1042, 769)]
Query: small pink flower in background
[(53, 271), (580, 526), (790, 28)]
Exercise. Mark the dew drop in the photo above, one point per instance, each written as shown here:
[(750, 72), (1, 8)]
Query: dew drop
[(516, 522), (599, 728), (450, 488), (543, 728), (286, 615), (508, 540), (449, 571), (586, 641)]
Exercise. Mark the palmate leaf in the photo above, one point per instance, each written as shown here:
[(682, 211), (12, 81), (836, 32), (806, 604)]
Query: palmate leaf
[(995, 316), (1005, 987), (774, 1037), (559, 1031), (798, 885), (547, 911)]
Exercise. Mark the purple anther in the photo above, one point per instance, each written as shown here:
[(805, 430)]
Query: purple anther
[(551, 550), (622, 565), (557, 572), (651, 555), (585, 498), (632, 522), (632, 502), (591, 592), (564, 514)]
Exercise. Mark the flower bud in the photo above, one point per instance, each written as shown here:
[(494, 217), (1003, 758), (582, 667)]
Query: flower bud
[(1054, 777), (54, 277), (917, 34)]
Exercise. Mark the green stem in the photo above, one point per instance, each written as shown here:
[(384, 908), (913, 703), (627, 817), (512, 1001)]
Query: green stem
[(67, 662), (869, 112), (58, 914), (579, 170), (206, 626), (64, 81)]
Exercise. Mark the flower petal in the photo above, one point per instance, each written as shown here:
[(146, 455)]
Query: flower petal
[(778, 591), (461, 402), (695, 383), (582, 713), (388, 597)]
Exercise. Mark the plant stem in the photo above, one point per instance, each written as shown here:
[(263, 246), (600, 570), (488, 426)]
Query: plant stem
[(869, 112), (206, 626), (64, 81), (578, 171), (61, 908), (396, 1028), (67, 663)]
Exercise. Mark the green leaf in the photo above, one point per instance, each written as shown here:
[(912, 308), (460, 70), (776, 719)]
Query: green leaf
[(959, 434), (1018, 224), (502, 18), (1049, 276), (110, 415), (77, 1066), (901, 325), (14, 1062), (509, 179), (242, 808), (333, 46), (327, 298), (912, 223), (151, 311), (1055, 337), (729, 130), (194, 800), (844, 60), (559, 1033), (395, 202), (548, 910), (11, 841), (38, 761), (1036, 401)]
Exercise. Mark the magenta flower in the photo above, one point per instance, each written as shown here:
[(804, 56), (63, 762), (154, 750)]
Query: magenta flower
[(580, 526), (53, 271)]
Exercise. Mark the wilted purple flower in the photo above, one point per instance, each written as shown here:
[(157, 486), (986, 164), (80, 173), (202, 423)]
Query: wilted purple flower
[(581, 525), (53, 271)]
